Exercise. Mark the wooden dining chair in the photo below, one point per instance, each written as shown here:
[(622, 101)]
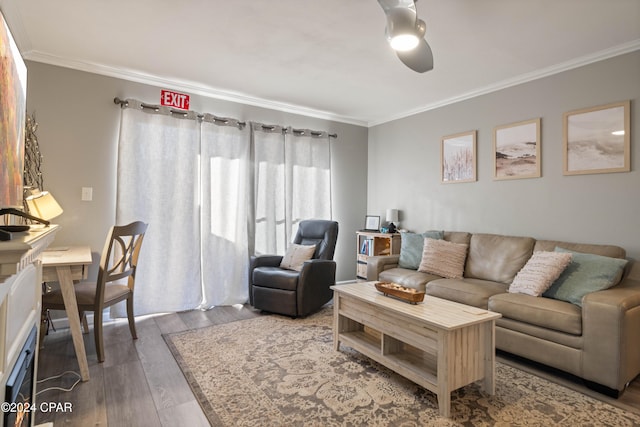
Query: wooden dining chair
[(119, 260)]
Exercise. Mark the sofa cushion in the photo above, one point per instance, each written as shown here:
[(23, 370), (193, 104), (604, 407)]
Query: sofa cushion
[(457, 237), (473, 292), (497, 258), (509, 337), (545, 312), (587, 273), (405, 277), (443, 258), (412, 246), (537, 275), (604, 250)]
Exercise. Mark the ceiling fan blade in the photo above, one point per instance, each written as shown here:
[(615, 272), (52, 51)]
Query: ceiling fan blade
[(419, 59), (392, 4)]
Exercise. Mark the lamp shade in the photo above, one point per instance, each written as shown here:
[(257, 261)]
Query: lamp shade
[(43, 205), (392, 215)]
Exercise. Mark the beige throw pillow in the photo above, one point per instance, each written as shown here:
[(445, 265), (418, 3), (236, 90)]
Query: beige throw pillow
[(539, 273), (443, 258), (296, 255)]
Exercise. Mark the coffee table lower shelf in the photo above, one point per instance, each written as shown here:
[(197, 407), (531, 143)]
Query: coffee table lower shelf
[(407, 363), (438, 344)]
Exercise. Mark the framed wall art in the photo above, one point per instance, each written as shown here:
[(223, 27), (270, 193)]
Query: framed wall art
[(13, 102), (516, 150), (458, 157), (597, 139)]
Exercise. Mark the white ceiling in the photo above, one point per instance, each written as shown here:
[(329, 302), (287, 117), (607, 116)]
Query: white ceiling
[(323, 58)]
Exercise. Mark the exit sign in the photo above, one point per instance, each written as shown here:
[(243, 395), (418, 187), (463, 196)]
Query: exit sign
[(174, 99)]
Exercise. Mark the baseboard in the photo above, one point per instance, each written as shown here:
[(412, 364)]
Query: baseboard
[(63, 322)]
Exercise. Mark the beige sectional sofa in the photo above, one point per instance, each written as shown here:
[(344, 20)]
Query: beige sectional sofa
[(598, 341)]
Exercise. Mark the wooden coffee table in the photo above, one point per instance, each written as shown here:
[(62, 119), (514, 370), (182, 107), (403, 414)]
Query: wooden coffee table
[(438, 344)]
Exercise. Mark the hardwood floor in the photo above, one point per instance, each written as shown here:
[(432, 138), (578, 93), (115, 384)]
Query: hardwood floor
[(140, 384)]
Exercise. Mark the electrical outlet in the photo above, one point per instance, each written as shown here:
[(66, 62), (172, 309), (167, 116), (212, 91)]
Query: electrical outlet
[(87, 194)]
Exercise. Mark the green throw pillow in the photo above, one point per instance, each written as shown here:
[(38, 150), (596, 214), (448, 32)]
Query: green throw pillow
[(585, 274), (412, 245)]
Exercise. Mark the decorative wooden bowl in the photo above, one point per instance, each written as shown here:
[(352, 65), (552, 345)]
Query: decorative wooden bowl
[(409, 295)]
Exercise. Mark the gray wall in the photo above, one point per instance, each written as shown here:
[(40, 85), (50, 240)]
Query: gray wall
[(404, 164), (78, 126), (78, 130)]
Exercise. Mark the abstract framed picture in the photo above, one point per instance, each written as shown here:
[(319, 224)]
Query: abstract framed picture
[(13, 99), (458, 157), (597, 139), (516, 150)]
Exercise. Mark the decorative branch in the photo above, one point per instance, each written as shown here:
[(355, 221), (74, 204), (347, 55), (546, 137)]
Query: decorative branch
[(32, 176)]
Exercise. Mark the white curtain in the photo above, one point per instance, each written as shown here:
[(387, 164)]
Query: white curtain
[(158, 183), (308, 177), (225, 201), (213, 193), (269, 187), (292, 180)]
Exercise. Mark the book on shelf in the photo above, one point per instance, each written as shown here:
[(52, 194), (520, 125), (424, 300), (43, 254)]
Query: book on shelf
[(367, 247)]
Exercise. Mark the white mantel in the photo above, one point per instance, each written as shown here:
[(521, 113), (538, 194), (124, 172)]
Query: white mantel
[(20, 295), (23, 250)]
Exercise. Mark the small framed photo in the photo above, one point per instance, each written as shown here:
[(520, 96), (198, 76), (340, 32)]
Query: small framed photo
[(372, 223), (458, 157), (597, 139), (516, 150)]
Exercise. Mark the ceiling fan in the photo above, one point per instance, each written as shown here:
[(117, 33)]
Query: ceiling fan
[(405, 33)]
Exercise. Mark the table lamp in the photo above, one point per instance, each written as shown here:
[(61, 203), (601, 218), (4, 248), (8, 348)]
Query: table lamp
[(392, 216), (42, 205)]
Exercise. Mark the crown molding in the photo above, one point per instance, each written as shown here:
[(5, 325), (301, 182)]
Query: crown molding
[(12, 16), (523, 78), (207, 91), (186, 86)]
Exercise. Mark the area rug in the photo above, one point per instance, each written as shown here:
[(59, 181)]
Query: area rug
[(277, 371)]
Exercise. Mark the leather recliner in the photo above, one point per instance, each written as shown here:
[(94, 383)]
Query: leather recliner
[(296, 293)]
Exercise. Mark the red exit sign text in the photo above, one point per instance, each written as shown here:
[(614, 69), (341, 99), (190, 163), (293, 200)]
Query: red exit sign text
[(174, 99)]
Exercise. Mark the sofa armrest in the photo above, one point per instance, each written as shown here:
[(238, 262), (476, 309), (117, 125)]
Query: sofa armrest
[(377, 264), (611, 325)]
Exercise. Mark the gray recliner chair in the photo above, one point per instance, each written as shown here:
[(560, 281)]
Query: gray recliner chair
[(296, 293)]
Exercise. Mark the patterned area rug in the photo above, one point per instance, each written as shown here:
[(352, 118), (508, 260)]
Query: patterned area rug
[(277, 371)]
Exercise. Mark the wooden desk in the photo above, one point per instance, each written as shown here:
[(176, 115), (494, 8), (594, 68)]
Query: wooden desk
[(65, 265)]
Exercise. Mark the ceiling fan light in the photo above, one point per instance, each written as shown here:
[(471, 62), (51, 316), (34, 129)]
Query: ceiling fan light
[(402, 30), (404, 42)]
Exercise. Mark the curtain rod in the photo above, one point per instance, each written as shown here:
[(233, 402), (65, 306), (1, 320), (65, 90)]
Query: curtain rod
[(124, 104), (278, 128)]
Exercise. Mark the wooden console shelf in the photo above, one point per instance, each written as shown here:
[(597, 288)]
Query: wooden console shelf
[(438, 344), (370, 243)]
